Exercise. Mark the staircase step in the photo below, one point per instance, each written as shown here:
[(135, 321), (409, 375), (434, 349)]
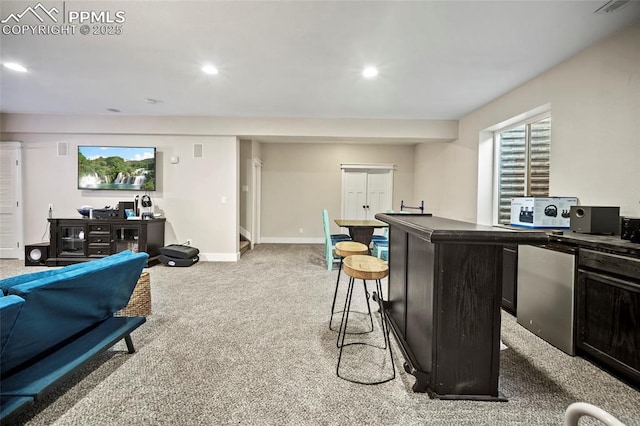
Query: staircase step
[(245, 246)]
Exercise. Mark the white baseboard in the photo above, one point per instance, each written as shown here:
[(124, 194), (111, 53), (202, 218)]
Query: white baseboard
[(291, 240), (219, 257)]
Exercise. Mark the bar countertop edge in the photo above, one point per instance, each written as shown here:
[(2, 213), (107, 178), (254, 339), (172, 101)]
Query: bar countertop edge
[(441, 230)]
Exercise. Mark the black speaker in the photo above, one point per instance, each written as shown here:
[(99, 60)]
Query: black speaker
[(595, 220), (36, 254), (629, 229)]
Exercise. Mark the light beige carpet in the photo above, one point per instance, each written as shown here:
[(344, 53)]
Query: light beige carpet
[(248, 343)]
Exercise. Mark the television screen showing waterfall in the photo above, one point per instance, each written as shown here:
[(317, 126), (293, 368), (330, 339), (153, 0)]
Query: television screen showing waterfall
[(117, 167)]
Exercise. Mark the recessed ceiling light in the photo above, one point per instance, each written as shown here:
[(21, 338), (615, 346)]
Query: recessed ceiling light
[(113, 110), (15, 67), (370, 72), (209, 69), (153, 101)]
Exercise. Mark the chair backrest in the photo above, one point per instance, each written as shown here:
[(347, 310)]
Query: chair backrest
[(325, 224)]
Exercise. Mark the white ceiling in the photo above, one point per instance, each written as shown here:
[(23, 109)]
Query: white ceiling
[(437, 60)]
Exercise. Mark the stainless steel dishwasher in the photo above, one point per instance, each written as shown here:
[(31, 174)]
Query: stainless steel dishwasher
[(546, 293)]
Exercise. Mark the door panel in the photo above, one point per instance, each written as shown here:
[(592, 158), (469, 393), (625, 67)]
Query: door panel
[(10, 223), (378, 192), (355, 195)]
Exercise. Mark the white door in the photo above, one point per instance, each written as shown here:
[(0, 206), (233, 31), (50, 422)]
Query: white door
[(366, 190), (379, 188), (10, 201), (354, 195)]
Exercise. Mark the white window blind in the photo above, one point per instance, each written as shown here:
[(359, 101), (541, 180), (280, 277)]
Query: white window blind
[(523, 164)]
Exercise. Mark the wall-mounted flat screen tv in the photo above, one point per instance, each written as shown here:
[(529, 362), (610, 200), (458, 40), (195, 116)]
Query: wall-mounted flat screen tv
[(117, 168)]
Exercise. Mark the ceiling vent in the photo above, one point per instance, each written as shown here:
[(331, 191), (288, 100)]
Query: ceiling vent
[(611, 6)]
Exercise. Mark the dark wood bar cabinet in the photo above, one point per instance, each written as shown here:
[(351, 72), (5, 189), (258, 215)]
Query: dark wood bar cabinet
[(445, 294)]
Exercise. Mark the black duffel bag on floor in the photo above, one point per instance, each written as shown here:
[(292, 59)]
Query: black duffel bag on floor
[(179, 251), (174, 261)]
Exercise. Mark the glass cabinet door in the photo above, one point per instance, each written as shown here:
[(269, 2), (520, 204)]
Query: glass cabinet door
[(72, 241), (126, 238)]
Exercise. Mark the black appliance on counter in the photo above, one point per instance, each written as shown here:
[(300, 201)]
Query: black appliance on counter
[(595, 220)]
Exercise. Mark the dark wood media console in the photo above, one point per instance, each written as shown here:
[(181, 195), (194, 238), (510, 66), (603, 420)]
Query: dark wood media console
[(81, 240), (445, 293)]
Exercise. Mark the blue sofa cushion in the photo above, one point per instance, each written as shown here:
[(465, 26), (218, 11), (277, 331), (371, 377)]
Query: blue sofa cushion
[(62, 305), (7, 283), (10, 307)]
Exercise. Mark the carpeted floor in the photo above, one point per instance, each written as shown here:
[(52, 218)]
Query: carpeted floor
[(248, 343)]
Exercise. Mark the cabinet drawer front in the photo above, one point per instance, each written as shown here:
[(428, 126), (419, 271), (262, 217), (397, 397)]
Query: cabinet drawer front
[(613, 263), (102, 238), (99, 250), (103, 227)]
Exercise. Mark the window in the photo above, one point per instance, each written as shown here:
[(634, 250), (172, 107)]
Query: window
[(523, 163)]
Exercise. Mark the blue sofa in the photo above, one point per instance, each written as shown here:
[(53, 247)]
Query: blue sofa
[(54, 321)]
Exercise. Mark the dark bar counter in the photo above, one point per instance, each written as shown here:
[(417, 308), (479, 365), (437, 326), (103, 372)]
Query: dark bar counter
[(445, 291)]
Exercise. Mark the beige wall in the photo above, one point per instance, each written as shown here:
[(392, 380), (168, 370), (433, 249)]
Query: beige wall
[(299, 180), (595, 108), (189, 193), (595, 104)]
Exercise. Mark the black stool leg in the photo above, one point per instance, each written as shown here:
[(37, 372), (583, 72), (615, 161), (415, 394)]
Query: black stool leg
[(345, 314), (366, 295), (335, 294), (385, 327), (345, 320), (333, 304)]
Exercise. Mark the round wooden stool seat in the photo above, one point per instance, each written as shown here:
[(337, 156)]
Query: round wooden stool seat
[(349, 248), (365, 267)]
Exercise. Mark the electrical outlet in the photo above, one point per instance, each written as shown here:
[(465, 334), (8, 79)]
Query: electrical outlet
[(301, 231), (188, 241)]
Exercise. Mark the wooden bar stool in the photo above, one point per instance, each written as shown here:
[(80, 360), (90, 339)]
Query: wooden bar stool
[(365, 268), (344, 249)]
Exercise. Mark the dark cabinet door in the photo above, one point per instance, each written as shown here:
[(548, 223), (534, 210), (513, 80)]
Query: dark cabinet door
[(510, 279), (397, 298), (608, 310), (127, 237), (71, 240), (420, 302)]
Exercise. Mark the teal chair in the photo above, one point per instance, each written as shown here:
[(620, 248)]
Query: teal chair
[(380, 243), (381, 250), (330, 241)]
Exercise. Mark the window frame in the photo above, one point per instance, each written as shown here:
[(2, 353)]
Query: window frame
[(496, 158)]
